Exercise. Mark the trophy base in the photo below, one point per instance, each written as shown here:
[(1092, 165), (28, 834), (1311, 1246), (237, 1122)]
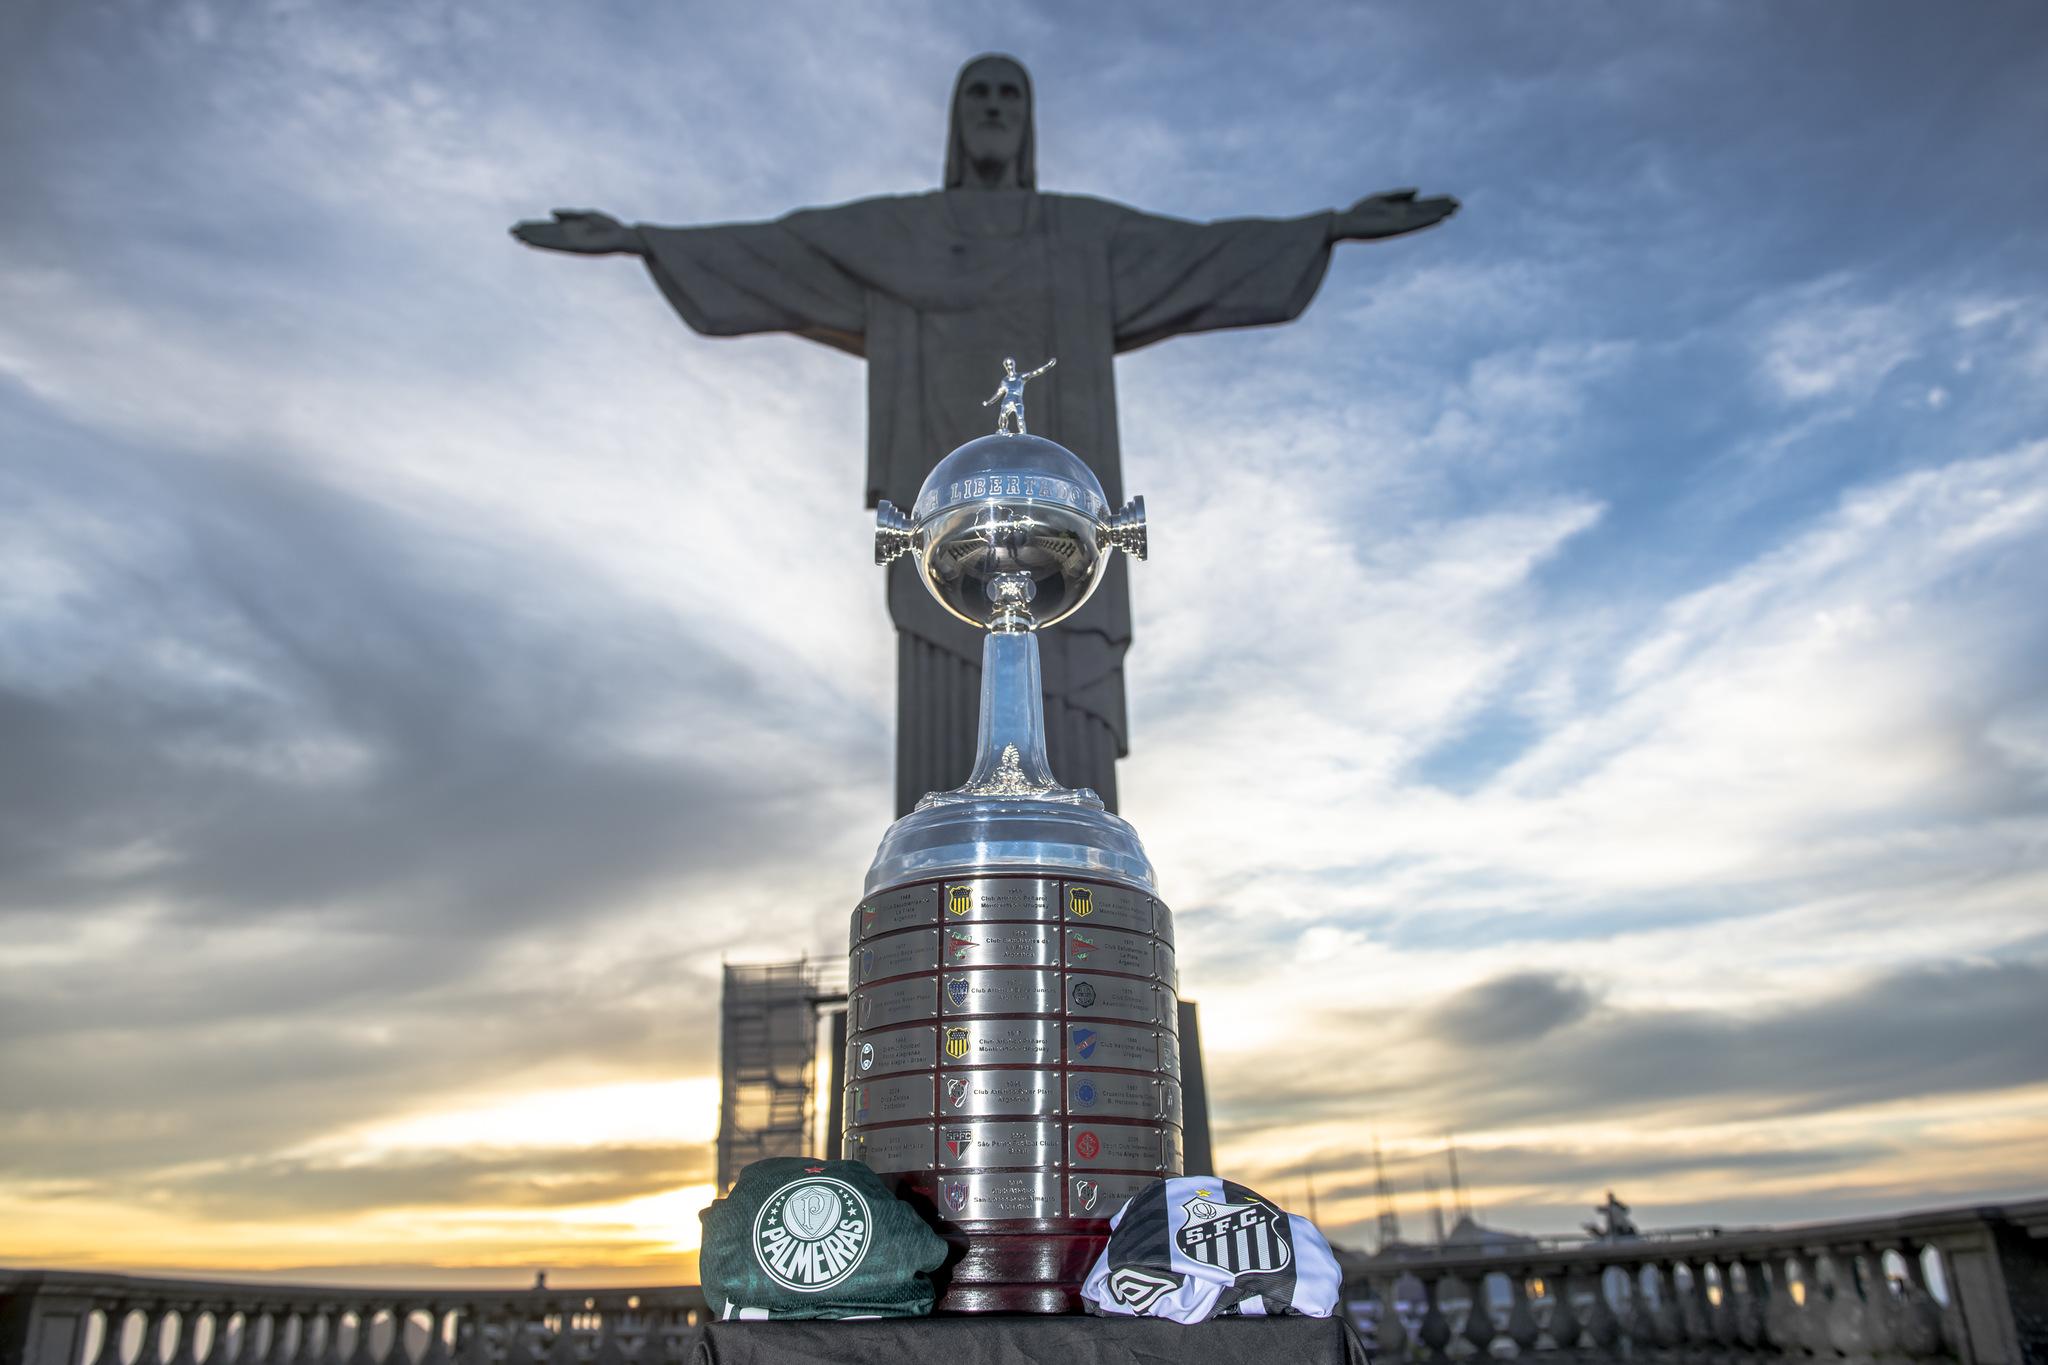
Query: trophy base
[(1000, 1270), (1013, 1061), (1009, 1265), (1009, 1298)]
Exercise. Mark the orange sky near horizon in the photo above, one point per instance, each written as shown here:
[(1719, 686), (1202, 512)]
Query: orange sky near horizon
[(652, 1239)]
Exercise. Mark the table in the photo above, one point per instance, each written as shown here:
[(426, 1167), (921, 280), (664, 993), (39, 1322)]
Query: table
[(998, 1339)]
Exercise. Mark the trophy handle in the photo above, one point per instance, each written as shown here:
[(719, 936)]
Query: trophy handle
[(892, 532), (1127, 528)]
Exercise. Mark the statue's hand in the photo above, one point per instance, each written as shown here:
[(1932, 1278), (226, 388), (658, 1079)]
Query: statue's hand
[(1391, 214), (581, 230)]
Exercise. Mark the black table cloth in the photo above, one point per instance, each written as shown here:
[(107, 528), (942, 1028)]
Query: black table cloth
[(996, 1339)]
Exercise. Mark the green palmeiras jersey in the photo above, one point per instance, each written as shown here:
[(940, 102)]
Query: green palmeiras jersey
[(801, 1237), (1196, 1247)]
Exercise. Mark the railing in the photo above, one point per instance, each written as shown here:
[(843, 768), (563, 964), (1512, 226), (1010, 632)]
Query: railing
[(64, 1318), (1967, 1285)]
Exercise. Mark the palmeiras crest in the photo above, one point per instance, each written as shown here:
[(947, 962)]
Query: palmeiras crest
[(810, 1235)]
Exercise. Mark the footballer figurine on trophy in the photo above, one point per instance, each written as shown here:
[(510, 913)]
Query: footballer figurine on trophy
[(1011, 391), (1012, 1062)]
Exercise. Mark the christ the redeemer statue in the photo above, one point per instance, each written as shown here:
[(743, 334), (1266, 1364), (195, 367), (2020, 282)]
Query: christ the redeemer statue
[(934, 290)]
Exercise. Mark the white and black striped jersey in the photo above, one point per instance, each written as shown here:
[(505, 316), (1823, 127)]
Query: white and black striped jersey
[(1197, 1247)]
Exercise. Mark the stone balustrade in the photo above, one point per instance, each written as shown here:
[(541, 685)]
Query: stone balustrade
[(1966, 1285), (66, 1318)]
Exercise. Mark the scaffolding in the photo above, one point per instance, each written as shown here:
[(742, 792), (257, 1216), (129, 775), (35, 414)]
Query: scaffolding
[(768, 1044)]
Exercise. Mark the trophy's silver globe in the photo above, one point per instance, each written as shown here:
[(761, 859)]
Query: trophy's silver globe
[(1011, 531)]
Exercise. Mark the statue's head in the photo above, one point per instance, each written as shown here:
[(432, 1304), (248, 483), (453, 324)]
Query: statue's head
[(1010, 366), (990, 145)]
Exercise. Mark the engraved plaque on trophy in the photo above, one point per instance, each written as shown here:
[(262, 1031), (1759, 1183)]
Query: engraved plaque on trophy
[(906, 1148), (1115, 997), (1117, 1146), (1099, 1196), (1092, 1094), (1023, 1196), (1028, 1143), (916, 950), (1019, 992), (1109, 907), (900, 909), (977, 1094), (1112, 950), (879, 1054), (1001, 945), (891, 1100), (899, 1002), (1000, 1042), (1001, 898)]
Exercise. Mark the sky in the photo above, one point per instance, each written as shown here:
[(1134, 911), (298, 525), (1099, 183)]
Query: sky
[(1588, 694)]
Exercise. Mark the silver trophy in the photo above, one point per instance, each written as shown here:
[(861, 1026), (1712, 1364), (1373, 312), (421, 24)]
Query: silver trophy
[(1013, 1060)]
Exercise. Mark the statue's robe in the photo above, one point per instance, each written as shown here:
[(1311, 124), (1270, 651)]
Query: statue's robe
[(934, 290)]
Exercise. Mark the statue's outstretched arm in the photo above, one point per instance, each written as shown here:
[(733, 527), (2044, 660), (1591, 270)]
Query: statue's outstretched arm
[(1389, 214), (586, 232), (993, 397), (1043, 368)]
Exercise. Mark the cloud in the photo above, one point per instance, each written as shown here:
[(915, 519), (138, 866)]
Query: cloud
[(1827, 347), (1929, 1031), (1541, 1166), (313, 705), (1518, 1008), (529, 1178), (1940, 1029)]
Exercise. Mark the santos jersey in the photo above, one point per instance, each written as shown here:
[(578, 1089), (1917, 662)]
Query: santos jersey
[(1197, 1247)]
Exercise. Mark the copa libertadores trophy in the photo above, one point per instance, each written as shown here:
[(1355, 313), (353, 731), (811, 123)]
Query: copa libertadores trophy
[(1012, 1062)]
